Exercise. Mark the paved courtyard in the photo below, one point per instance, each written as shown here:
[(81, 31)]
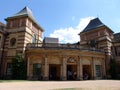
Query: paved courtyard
[(62, 85)]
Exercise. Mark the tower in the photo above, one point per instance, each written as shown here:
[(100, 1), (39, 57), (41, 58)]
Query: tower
[(21, 29), (97, 35)]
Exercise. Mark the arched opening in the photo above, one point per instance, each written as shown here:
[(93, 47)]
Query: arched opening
[(12, 42)]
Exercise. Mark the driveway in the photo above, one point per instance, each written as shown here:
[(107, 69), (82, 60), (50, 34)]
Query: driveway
[(59, 85)]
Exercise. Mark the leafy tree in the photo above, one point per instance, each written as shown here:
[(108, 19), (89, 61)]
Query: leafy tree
[(19, 67), (112, 68)]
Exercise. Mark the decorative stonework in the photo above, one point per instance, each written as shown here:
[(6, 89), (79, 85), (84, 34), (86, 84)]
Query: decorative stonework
[(71, 60)]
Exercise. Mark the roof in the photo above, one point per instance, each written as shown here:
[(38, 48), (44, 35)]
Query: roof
[(93, 24), (50, 40), (25, 12), (1, 24), (117, 34)]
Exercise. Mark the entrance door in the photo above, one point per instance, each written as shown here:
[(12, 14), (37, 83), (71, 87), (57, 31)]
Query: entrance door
[(54, 72), (71, 72), (86, 72)]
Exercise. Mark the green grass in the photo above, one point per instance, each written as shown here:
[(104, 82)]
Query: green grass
[(69, 89), (97, 88), (2, 81)]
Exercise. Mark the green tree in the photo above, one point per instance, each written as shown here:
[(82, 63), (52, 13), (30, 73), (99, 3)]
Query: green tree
[(112, 68), (19, 67)]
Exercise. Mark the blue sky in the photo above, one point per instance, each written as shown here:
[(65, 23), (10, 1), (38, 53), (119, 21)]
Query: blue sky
[(66, 18)]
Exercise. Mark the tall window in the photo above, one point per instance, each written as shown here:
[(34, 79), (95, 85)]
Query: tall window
[(37, 68), (98, 70), (12, 42), (34, 39), (9, 69)]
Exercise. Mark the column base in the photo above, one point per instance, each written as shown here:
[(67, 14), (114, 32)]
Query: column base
[(80, 78), (45, 78), (63, 78), (29, 77)]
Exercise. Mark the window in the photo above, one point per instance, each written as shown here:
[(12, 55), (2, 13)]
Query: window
[(23, 22), (12, 42), (98, 70), (9, 69), (34, 39), (37, 69), (92, 43)]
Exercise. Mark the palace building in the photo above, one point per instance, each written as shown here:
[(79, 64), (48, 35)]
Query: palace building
[(47, 59)]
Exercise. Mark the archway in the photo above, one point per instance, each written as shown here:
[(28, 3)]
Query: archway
[(87, 72), (71, 72), (54, 72)]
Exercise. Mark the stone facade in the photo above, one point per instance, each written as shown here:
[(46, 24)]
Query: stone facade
[(87, 59), (116, 51), (56, 62)]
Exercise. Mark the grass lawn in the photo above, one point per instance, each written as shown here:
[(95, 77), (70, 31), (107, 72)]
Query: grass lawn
[(1, 81), (97, 88)]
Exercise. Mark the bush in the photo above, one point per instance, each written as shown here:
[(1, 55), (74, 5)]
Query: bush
[(19, 67), (113, 69)]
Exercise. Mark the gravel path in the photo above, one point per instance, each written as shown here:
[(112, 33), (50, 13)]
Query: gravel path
[(59, 85)]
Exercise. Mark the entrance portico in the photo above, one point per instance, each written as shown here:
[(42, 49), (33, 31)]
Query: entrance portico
[(56, 66)]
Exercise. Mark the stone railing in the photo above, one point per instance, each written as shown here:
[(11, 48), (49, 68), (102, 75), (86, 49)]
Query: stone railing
[(59, 46)]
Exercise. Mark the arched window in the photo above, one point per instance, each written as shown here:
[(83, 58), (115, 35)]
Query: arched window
[(12, 42)]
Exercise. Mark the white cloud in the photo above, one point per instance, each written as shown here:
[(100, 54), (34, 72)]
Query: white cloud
[(70, 34)]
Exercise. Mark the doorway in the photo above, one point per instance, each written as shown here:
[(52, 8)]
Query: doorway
[(71, 72), (54, 72), (86, 72)]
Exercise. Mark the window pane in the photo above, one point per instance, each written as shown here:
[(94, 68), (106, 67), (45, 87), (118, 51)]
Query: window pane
[(98, 70), (34, 39), (37, 69)]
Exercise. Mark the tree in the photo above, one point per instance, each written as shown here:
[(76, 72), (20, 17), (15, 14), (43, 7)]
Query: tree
[(19, 67), (112, 68)]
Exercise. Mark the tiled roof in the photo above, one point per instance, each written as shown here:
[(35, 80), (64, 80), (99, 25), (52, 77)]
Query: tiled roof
[(50, 40), (93, 24), (25, 12)]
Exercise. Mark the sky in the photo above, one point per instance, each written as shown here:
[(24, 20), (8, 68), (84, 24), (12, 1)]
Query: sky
[(65, 19)]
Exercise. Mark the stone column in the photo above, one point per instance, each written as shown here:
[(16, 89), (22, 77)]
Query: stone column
[(103, 68), (61, 71), (28, 68), (81, 69), (78, 70), (46, 72), (93, 68), (64, 68)]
